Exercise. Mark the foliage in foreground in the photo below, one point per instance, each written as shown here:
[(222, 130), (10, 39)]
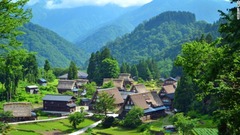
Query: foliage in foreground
[(132, 119), (76, 118)]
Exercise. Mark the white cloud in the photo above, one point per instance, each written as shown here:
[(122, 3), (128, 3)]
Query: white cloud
[(76, 3)]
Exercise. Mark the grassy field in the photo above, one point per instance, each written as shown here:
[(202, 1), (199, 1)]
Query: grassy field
[(60, 126), (114, 131)]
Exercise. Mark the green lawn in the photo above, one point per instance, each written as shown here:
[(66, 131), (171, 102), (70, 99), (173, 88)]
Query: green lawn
[(62, 126), (114, 131)]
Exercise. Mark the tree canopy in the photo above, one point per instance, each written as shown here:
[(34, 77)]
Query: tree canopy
[(215, 69)]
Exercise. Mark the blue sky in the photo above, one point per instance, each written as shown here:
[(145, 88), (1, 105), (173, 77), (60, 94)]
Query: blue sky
[(52, 4)]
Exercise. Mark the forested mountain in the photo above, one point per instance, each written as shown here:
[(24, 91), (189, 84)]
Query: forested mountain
[(49, 45), (161, 38), (204, 10), (78, 22)]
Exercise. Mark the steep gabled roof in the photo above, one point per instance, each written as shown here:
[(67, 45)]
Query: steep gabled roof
[(169, 89), (146, 100), (19, 109), (139, 88), (58, 98), (66, 84), (116, 82), (125, 77), (113, 91)]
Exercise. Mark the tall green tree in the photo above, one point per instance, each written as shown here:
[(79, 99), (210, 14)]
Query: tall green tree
[(184, 94), (30, 68), (72, 71), (47, 66), (105, 103), (13, 15), (92, 66), (134, 71), (76, 118), (132, 119), (215, 69), (109, 68)]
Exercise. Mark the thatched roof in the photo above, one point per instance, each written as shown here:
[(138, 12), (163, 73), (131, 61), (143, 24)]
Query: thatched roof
[(169, 89), (139, 88), (146, 100), (116, 82), (113, 91), (19, 109), (125, 77), (58, 98), (66, 84), (81, 82)]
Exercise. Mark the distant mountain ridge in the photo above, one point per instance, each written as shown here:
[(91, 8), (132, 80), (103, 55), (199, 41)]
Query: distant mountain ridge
[(73, 23), (160, 38), (50, 46), (204, 10)]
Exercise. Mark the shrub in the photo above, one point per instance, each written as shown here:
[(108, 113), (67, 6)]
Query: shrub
[(108, 122), (143, 127)]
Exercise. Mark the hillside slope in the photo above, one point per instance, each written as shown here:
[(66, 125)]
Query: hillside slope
[(51, 46), (160, 38)]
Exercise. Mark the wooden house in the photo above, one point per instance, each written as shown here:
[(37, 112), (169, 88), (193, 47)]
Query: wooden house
[(59, 103), (127, 80), (139, 88), (80, 74), (67, 85), (85, 101), (170, 81), (32, 89), (20, 110), (111, 91), (148, 101), (118, 83), (167, 95), (42, 82)]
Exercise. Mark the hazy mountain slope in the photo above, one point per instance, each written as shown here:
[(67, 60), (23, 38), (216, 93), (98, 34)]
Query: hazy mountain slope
[(204, 10), (51, 46), (73, 23), (160, 38)]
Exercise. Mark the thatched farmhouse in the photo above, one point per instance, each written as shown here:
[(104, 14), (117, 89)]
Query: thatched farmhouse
[(118, 83), (67, 85), (167, 92), (148, 101), (111, 91), (20, 110), (139, 88)]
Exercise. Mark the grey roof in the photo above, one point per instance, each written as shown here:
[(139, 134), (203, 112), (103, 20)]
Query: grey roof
[(150, 109), (81, 75), (58, 97)]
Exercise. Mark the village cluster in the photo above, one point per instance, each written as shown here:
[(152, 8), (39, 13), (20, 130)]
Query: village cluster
[(154, 103)]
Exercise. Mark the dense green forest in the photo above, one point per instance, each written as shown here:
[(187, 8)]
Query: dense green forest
[(49, 45), (161, 38)]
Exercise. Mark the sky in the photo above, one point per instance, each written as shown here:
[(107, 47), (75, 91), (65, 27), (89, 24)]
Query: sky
[(53, 4)]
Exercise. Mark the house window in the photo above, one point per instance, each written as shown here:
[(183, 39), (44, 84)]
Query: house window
[(165, 100)]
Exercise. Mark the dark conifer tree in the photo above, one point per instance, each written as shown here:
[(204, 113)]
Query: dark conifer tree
[(72, 71)]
